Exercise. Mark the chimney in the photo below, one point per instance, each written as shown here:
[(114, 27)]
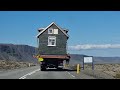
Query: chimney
[(40, 29), (65, 30)]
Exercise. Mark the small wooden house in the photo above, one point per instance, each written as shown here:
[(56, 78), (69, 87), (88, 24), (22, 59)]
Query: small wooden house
[(52, 40)]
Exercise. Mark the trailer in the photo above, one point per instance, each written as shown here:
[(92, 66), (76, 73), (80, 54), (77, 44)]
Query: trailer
[(53, 61)]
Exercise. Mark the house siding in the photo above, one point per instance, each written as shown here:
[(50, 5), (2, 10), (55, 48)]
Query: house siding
[(61, 41)]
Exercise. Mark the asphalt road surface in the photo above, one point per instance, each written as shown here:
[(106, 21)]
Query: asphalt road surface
[(35, 73)]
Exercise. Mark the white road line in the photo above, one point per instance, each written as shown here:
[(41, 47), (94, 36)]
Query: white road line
[(70, 74), (23, 77)]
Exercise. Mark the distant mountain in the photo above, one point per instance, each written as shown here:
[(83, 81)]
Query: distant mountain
[(25, 53), (76, 58), (79, 58), (107, 59), (13, 52)]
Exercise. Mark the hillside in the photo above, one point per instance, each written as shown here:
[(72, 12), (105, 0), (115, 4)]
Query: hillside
[(101, 60), (22, 53)]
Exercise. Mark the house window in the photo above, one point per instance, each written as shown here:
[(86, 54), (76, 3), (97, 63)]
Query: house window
[(55, 31), (51, 41), (50, 31)]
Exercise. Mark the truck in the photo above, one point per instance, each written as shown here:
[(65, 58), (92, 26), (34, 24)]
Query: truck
[(52, 46)]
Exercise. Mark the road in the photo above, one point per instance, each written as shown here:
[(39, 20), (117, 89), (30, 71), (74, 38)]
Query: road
[(35, 73)]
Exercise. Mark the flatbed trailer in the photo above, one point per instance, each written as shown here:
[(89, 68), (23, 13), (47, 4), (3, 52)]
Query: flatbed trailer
[(53, 61)]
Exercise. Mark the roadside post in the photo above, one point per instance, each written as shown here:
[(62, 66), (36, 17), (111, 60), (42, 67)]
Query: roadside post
[(83, 63), (92, 64), (29, 64), (78, 68)]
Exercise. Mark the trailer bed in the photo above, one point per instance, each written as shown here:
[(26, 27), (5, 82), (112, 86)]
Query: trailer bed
[(56, 56)]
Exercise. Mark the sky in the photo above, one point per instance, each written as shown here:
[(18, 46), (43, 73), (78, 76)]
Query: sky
[(95, 33)]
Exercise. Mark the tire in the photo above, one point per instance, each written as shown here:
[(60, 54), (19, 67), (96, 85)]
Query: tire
[(59, 68), (43, 68)]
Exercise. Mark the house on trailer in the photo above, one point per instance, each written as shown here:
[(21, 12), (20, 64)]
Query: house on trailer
[(52, 40)]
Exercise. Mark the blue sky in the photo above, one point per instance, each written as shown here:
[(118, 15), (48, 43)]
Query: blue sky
[(85, 28)]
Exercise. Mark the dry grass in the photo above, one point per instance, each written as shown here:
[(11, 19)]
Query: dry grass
[(13, 64), (117, 76), (112, 70)]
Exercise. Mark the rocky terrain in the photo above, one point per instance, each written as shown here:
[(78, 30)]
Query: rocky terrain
[(101, 71), (22, 53), (104, 67), (16, 56), (109, 69)]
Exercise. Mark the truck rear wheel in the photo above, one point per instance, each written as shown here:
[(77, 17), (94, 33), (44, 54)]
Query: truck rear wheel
[(43, 69), (59, 68)]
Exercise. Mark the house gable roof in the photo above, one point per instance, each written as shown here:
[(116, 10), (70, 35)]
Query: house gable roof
[(49, 26)]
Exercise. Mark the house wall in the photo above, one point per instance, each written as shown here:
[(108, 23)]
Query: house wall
[(61, 41)]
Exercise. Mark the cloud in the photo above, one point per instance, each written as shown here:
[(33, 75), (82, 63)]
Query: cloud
[(93, 46)]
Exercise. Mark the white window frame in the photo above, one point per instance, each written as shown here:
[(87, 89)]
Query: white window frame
[(49, 31), (51, 37), (55, 31)]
